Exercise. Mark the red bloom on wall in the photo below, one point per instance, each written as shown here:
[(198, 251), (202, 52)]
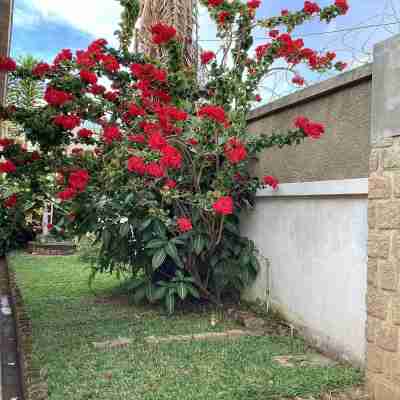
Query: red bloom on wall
[(311, 8), (64, 55), (110, 63), (215, 113), (68, 122), (136, 164), (157, 141), (162, 33), (342, 5), (298, 80), (310, 128), (155, 170), (111, 134), (171, 157), (184, 224), (207, 56), (67, 194), (85, 133), (41, 69), (88, 76), (78, 180), (7, 167), (235, 151), (224, 205), (7, 64), (215, 3), (135, 111), (254, 4), (11, 201), (271, 181), (57, 97)]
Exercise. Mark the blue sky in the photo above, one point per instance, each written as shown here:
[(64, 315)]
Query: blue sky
[(42, 27)]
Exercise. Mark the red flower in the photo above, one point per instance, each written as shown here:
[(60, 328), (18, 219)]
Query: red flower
[(41, 69), (310, 128), (85, 133), (50, 227), (184, 224), (56, 97), (340, 66), (5, 142), (224, 205), (274, 33), (271, 181), (311, 8), (111, 134), (254, 4), (342, 5), (10, 201), (77, 151), (155, 170), (7, 167), (135, 111), (110, 63), (262, 50), (207, 56), (215, 3), (222, 16), (136, 164), (298, 80), (78, 180), (7, 64), (171, 157), (64, 55), (235, 151), (88, 76), (111, 96), (258, 98), (68, 122), (156, 141), (67, 194), (137, 138), (162, 33), (170, 184), (192, 141), (215, 113), (97, 89), (284, 13)]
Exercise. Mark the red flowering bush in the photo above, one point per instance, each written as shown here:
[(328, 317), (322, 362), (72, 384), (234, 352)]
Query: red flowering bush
[(155, 165)]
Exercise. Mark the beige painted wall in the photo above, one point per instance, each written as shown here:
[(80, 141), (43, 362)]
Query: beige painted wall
[(343, 105)]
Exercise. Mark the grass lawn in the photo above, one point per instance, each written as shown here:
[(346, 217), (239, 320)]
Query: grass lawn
[(67, 317)]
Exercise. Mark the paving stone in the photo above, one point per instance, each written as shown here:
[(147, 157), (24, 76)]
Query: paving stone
[(112, 344)]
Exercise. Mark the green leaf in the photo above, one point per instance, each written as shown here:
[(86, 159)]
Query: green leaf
[(193, 291), (145, 224), (159, 293), (106, 237), (232, 228), (124, 229), (135, 283), (155, 244), (139, 294), (182, 290), (170, 302), (171, 250), (159, 258), (198, 244), (150, 289)]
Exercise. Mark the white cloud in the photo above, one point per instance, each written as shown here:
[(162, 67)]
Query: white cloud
[(98, 18), (25, 19)]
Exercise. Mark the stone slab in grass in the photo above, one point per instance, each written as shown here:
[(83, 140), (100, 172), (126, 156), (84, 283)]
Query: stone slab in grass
[(112, 344), (309, 360), (231, 334)]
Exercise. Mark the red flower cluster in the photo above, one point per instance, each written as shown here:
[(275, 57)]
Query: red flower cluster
[(5, 142), (262, 50), (78, 180), (311, 8), (155, 170), (298, 80), (184, 224), (41, 69), (10, 201), (207, 56), (56, 97), (149, 72), (111, 96), (7, 167), (254, 4), (88, 76), (135, 111), (7, 64), (222, 16), (170, 184), (156, 141), (97, 89), (235, 151), (171, 157), (310, 128), (136, 164), (67, 194), (111, 134), (215, 113), (224, 205), (64, 55), (271, 181), (68, 122), (162, 33), (215, 3), (85, 133), (110, 63), (342, 5), (137, 138)]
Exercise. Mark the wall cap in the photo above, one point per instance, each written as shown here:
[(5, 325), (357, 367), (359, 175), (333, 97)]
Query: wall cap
[(345, 187), (349, 78)]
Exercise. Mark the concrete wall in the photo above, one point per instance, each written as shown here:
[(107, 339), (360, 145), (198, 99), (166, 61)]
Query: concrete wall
[(315, 238), (343, 105)]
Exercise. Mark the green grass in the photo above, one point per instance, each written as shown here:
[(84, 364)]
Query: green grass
[(67, 317)]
